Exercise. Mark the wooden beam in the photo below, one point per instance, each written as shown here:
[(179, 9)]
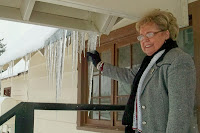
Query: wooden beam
[(33, 53), (41, 51), (61, 22), (26, 8), (38, 18)]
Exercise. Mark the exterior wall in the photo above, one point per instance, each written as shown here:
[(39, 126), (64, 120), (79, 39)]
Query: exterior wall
[(41, 91), (18, 84), (38, 89)]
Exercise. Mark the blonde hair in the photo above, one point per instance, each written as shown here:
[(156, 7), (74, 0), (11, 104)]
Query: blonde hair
[(163, 19)]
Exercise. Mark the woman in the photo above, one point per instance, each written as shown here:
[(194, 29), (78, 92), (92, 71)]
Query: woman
[(163, 86)]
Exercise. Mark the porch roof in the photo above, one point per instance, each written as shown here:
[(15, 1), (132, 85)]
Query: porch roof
[(88, 15)]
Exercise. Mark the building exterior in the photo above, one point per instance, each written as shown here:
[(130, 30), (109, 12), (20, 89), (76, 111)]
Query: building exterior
[(34, 86)]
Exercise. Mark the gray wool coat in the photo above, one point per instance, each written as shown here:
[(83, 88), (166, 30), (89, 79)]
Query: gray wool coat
[(168, 93)]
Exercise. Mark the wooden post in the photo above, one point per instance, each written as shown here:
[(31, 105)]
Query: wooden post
[(194, 10)]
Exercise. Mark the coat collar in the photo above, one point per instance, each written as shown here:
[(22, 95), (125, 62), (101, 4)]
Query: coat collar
[(167, 60)]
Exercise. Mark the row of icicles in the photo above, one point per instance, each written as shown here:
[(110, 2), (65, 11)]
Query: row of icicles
[(55, 56)]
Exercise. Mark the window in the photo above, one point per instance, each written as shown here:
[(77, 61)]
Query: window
[(7, 91), (185, 40), (107, 91)]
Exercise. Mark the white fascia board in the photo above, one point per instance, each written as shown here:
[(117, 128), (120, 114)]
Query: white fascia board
[(61, 22), (26, 8), (98, 7), (128, 8)]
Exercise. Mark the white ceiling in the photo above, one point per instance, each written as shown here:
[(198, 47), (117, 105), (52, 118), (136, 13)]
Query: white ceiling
[(88, 15)]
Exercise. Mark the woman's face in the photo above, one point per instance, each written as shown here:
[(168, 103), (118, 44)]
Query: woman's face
[(152, 44)]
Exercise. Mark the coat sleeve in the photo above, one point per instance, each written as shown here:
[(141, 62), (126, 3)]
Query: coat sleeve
[(181, 92), (120, 74)]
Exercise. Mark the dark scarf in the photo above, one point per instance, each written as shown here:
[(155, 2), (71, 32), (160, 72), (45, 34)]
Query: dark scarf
[(128, 114)]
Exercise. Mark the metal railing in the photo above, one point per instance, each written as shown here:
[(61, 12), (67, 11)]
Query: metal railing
[(24, 112)]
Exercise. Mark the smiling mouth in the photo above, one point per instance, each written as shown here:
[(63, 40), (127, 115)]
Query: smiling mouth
[(147, 46)]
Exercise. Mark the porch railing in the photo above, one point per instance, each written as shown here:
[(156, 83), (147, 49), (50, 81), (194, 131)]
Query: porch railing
[(24, 112)]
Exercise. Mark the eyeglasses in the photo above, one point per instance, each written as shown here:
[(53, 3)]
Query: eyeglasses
[(148, 35)]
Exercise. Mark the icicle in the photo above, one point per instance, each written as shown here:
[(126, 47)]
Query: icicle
[(73, 48), (49, 65), (11, 64), (47, 59), (68, 43), (58, 67), (26, 66), (67, 46), (46, 56), (64, 39), (88, 44), (99, 40), (63, 59), (79, 46), (76, 52), (54, 63), (81, 43), (28, 75), (50, 62), (10, 70), (1, 70), (84, 43), (92, 41), (90, 76)]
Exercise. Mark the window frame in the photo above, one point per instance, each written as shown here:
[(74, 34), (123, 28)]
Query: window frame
[(8, 90)]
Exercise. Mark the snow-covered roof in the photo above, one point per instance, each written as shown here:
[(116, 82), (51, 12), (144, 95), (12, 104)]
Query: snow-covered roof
[(22, 39)]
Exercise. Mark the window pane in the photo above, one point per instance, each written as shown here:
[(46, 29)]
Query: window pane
[(121, 101), (105, 115), (105, 86), (124, 57), (137, 54), (105, 101), (94, 114), (123, 88), (185, 41), (106, 56), (95, 86)]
